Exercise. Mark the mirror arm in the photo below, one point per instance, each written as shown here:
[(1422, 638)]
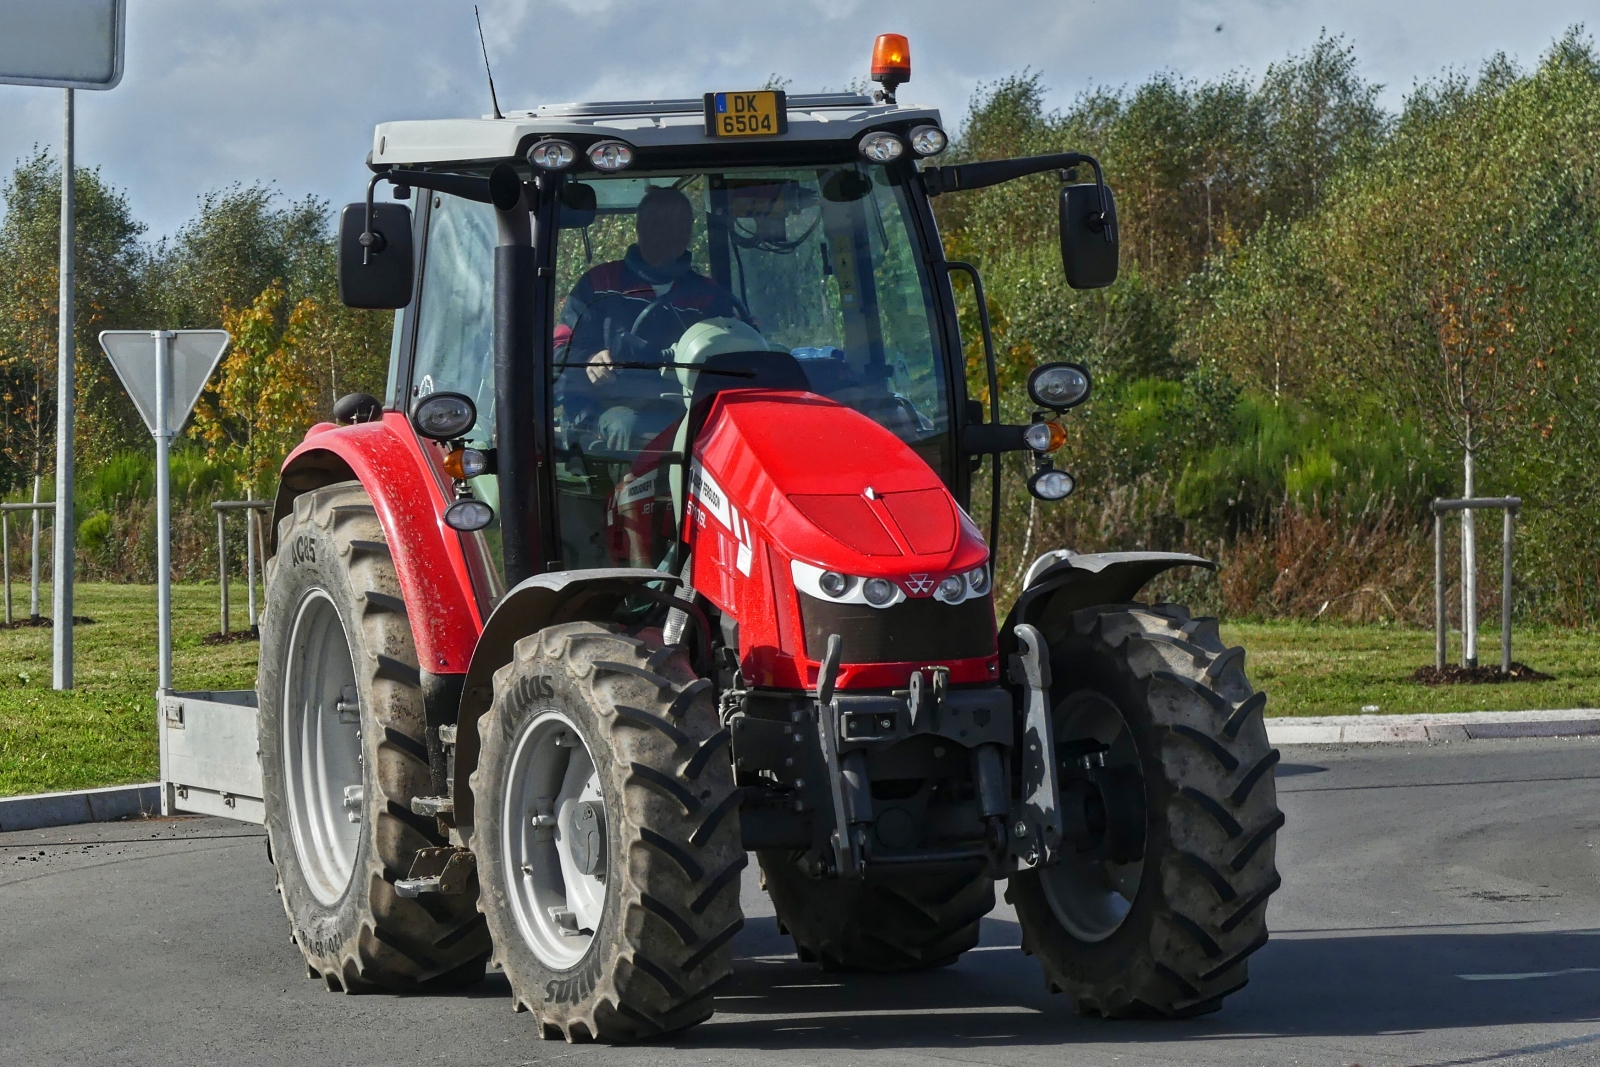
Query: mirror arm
[(466, 186), (964, 176)]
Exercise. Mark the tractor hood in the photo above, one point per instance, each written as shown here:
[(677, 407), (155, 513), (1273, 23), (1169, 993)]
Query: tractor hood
[(830, 488)]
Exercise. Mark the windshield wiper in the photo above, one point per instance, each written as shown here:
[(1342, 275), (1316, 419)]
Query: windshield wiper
[(635, 365)]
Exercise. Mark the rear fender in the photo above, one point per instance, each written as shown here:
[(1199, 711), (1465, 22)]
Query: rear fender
[(1060, 583), (543, 600), (386, 458)]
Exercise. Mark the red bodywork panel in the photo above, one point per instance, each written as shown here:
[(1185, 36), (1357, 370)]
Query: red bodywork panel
[(388, 460), (784, 476)]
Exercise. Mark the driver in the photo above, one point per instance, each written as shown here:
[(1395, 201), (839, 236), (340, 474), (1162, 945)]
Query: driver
[(657, 266)]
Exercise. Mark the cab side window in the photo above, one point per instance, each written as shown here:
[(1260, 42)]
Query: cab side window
[(455, 316)]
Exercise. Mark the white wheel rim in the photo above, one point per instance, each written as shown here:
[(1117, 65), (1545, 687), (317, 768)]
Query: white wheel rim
[(1092, 897), (558, 907), (321, 753)]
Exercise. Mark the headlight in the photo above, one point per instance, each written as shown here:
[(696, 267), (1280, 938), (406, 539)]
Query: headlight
[(444, 416), (610, 155), (928, 140), (1052, 485), (978, 580), (834, 584), (468, 515), (881, 147), (880, 592), (952, 590), (552, 155)]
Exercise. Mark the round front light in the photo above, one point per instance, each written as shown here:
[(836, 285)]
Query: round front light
[(928, 140), (833, 583), (950, 589), (879, 592), (1052, 485), (468, 515), (1045, 436), (1059, 386), (444, 416), (473, 463), (881, 147), (978, 580), (610, 155), (552, 155)]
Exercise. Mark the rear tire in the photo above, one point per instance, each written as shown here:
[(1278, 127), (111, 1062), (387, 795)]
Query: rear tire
[(897, 922), (335, 631), (1168, 935), (632, 944)]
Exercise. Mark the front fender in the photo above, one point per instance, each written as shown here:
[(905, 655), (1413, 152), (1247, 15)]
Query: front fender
[(386, 458), (543, 600), (1060, 583)]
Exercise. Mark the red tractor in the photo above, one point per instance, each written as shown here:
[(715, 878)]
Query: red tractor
[(656, 553)]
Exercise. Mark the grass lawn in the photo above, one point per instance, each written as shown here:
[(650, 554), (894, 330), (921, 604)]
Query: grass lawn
[(1324, 669), (103, 732)]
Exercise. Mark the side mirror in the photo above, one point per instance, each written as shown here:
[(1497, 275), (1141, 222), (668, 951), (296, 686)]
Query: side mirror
[(378, 276), (1088, 239)]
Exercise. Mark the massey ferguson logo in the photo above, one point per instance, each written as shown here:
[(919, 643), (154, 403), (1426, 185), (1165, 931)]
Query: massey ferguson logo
[(919, 583)]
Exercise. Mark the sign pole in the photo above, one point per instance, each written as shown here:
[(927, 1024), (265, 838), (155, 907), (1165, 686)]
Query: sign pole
[(61, 594), (163, 436)]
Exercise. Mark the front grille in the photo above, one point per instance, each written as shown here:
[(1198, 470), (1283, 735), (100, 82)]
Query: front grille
[(921, 630)]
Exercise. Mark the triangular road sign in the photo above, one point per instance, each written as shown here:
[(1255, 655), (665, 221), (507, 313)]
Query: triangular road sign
[(193, 355)]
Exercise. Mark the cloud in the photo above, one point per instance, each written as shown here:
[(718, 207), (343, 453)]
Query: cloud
[(287, 91)]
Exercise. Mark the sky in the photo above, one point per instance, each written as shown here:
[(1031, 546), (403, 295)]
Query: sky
[(287, 91)]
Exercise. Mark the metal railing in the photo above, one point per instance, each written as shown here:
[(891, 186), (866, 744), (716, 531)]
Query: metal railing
[(253, 547), (5, 553), (1509, 505)]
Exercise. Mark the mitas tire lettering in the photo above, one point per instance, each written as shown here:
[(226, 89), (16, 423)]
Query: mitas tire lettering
[(302, 550), (531, 688)]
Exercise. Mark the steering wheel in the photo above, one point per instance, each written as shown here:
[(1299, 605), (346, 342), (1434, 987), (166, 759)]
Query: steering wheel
[(664, 300)]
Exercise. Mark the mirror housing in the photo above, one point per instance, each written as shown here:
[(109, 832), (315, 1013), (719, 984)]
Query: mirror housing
[(1089, 258), (379, 277)]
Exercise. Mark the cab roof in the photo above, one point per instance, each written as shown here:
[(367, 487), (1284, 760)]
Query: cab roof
[(645, 124)]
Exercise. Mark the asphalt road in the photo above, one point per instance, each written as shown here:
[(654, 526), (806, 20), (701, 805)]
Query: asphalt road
[(1441, 906)]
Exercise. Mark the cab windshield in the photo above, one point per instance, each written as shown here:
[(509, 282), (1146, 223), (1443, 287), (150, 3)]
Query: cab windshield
[(811, 268)]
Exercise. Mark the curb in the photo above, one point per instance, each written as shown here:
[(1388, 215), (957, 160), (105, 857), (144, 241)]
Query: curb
[(41, 810), (1460, 726)]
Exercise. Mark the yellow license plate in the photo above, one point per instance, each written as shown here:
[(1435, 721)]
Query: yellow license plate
[(762, 113)]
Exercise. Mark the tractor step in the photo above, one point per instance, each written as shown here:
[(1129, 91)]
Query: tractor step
[(433, 805), (438, 870)]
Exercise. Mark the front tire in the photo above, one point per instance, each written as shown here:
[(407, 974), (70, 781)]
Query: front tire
[(607, 834), (1165, 933), (343, 751)]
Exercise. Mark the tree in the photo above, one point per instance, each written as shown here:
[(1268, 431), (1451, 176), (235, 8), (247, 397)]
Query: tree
[(265, 397), (108, 264)]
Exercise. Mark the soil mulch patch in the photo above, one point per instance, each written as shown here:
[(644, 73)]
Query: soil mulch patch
[(43, 621), (231, 637), (1456, 674)]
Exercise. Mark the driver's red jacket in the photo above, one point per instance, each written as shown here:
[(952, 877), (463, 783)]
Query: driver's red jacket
[(690, 292)]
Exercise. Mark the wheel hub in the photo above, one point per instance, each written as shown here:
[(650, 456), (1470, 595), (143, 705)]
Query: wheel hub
[(322, 748), (1092, 891), (553, 840)]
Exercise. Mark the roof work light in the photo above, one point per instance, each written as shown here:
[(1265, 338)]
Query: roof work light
[(891, 62)]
